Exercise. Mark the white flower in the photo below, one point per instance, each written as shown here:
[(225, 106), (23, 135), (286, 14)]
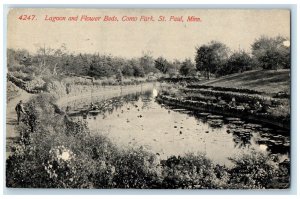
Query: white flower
[(65, 155), (62, 153)]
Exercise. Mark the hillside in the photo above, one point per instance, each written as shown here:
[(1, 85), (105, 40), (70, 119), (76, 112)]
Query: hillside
[(260, 95), (267, 81)]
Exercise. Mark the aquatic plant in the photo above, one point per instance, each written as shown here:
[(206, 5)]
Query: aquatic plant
[(56, 157)]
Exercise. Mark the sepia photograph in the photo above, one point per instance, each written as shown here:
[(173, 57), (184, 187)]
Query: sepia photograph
[(148, 98)]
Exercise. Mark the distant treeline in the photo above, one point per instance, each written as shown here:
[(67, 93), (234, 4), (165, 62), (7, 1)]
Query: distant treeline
[(266, 53), (214, 58)]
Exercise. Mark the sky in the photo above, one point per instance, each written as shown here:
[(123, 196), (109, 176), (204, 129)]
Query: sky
[(236, 28)]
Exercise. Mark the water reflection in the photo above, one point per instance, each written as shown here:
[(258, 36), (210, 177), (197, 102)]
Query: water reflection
[(154, 92), (137, 120), (263, 147)]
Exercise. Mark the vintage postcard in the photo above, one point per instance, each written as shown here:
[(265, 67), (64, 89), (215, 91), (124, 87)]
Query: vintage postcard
[(148, 98)]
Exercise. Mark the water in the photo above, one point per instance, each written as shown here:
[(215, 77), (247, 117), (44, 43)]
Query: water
[(136, 120)]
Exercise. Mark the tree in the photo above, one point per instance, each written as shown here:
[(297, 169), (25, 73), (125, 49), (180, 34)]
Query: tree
[(79, 64), (138, 70), (176, 65), (127, 69), (119, 77), (211, 58), (187, 68), (51, 61), (237, 62), (148, 63), (101, 66), (165, 66), (161, 64), (272, 53), (16, 57)]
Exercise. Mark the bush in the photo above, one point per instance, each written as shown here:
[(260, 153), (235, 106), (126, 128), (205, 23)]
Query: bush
[(240, 97), (31, 85), (253, 170), (57, 152), (137, 168), (191, 171), (12, 91)]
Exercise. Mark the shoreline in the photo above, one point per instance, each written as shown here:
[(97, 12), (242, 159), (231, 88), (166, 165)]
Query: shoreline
[(216, 110), (106, 93)]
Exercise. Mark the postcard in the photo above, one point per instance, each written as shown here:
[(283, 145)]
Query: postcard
[(148, 98)]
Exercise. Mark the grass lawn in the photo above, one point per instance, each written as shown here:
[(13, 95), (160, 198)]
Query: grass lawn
[(267, 81)]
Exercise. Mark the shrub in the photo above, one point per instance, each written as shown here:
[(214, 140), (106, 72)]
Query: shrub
[(12, 91), (240, 97), (60, 153), (190, 171), (137, 168), (31, 85), (254, 170)]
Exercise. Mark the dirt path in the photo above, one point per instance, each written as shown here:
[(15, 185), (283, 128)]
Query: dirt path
[(11, 118)]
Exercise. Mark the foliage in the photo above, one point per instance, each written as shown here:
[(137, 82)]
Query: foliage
[(247, 110), (137, 70), (165, 66), (12, 91), (119, 77), (61, 153), (31, 85), (148, 64), (239, 96), (253, 170), (191, 171), (18, 57), (187, 68), (50, 63), (211, 58), (217, 88), (128, 70), (272, 53), (101, 66), (237, 62), (137, 168)]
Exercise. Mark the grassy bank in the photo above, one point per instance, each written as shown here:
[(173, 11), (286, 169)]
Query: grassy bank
[(56, 152), (265, 81), (261, 95), (68, 85)]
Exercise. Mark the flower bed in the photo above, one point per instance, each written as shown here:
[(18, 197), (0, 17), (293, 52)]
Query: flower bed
[(280, 121), (240, 97), (216, 88), (61, 153)]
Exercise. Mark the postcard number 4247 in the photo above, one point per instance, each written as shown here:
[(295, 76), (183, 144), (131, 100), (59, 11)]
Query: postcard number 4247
[(27, 17)]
